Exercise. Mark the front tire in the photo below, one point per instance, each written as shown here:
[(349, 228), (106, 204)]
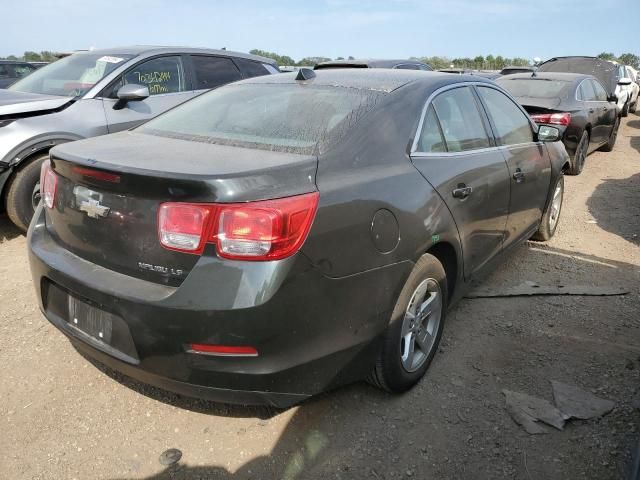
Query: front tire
[(415, 329), (21, 190), (551, 216), (580, 156), (625, 109)]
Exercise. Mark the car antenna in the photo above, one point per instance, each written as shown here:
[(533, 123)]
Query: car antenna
[(305, 74)]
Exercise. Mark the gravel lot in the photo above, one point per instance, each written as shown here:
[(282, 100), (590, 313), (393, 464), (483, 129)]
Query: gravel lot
[(61, 417)]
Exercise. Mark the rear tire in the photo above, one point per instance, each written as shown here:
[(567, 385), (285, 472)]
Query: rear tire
[(577, 163), (551, 216), (613, 136), (21, 190), (415, 329)]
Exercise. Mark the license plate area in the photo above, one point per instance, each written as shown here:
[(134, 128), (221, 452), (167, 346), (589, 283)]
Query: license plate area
[(90, 320)]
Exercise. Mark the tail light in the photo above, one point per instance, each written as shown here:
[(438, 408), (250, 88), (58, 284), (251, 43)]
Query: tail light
[(48, 184), (264, 230), (563, 118)]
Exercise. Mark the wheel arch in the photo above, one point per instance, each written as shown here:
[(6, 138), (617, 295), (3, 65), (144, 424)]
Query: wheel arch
[(447, 255)]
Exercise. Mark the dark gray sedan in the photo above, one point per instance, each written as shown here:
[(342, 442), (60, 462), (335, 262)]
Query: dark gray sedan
[(288, 234)]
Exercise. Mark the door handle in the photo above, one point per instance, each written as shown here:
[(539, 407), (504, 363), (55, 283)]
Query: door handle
[(462, 191), (518, 176)]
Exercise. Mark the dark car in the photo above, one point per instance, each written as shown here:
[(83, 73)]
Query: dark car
[(277, 237), (511, 70), (611, 75), (374, 63), (11, 71), (576, 104)]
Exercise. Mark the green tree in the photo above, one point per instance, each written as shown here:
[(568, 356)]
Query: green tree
[(630, 59), (491, 62), (311, 61), (478, 62), (32, 56), (607, 56), (500, 62), (279, 59)]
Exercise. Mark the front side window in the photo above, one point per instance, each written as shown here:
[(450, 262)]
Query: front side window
[(431, 137), (286, 118), (600, 92), (512, 125), (250, 69), (160, 75), (71, 76), (460, 120), (212, 72)]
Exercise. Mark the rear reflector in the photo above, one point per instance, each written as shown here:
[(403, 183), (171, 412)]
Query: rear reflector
[(264, 230), (48, 184), (552, 118), (222, 350)]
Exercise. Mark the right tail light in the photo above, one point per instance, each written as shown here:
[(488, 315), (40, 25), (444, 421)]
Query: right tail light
[(48, 184)]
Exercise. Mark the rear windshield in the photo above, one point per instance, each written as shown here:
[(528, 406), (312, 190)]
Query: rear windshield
[(71, 76), (285, 117), (536, 88)]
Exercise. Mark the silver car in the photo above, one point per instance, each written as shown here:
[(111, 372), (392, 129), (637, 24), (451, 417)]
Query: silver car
[(95, 93)]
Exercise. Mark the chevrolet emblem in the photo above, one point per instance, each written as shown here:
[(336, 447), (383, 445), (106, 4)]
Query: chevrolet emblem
[(93, 208)]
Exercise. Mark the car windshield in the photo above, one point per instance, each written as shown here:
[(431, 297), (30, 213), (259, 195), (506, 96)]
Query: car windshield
[(285, 117), (71, 76), (536, 88)]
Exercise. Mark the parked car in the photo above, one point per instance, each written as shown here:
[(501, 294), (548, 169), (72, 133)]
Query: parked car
[(288, 234), (512, 69), (11, 71), (574, 103), (634, 88), (610, 74), (98, 92), (374, 63)]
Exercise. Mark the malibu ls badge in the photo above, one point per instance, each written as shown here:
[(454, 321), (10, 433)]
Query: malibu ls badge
[(88, 201)]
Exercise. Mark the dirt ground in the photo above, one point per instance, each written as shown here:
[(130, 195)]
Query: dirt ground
[(63, 418)]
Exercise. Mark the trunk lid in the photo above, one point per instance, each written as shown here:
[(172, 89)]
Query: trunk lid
[(110, 188)]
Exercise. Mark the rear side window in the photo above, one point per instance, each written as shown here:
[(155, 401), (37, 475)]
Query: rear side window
[(22, 70), (160, 75), (407, 66), (586, 92), (212, 71), (600, 93), (512, 125), (431, 136), (250, 68), (460, 120), (4, 71)]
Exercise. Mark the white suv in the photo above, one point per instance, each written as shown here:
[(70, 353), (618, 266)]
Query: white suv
[(634, 88)]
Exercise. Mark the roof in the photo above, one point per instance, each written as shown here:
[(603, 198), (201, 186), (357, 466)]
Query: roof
[(383, 80), (580, 57), (367, 63), (155, 49), (567, 77)]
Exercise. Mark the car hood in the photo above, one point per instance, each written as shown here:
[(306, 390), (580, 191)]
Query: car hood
[(17, 103)]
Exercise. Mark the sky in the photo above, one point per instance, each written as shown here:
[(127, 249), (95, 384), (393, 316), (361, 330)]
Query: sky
[(330, 28)]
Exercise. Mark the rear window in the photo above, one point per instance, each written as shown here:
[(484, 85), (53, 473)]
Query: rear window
[(289, 118), (536, 88)]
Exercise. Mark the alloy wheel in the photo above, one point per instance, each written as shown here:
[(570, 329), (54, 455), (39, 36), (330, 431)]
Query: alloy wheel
[(420, 325)]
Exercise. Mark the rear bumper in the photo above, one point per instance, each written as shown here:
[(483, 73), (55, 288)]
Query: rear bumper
[(312, 333)]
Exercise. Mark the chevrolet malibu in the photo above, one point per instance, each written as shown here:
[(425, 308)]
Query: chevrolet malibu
[(286, 235)]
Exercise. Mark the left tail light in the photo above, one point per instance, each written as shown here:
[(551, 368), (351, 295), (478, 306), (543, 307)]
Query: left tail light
[(563, 118), (48, 184), (263, 230)]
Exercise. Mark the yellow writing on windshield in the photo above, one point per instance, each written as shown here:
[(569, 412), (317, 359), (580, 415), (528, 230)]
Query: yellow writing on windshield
[(153, 77)]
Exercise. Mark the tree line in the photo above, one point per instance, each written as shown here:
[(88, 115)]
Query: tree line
[(489, 62)]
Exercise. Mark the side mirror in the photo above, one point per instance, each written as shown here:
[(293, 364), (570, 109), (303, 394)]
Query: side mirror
[(548, 134), (613, 98), (624, 81), (130, 93)]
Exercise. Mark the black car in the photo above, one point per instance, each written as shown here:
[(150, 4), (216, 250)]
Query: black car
[(11, 71), (288, 234), (611, 75), (374, 63), (576, 104)]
